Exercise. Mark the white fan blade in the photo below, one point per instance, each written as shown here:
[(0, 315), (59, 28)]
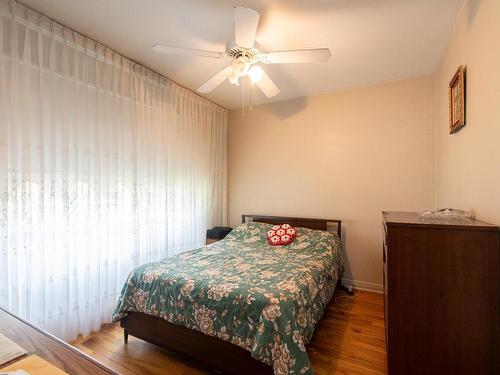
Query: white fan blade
[(267, 86), (246, 21), (298, 56), (187, 51), (216, 80)]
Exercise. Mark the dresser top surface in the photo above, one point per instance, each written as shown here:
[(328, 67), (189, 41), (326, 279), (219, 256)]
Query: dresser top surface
[(46, 346), (400, 218)]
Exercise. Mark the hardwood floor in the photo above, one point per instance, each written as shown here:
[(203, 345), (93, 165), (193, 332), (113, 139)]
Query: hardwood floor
[(349, 339)]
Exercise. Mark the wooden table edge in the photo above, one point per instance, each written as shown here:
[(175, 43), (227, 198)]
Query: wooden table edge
[(58, 341)]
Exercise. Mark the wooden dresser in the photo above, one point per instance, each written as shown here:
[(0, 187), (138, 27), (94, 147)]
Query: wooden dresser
[(441, 295)]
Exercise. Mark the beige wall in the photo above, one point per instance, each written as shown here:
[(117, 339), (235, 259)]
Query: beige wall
[(351, 154), (346, 155), (468, 162)]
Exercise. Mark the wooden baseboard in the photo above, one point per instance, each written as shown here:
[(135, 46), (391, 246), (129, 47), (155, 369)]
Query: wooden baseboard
[(363, 285)]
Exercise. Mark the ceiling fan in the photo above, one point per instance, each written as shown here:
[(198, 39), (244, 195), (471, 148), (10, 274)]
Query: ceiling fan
[(244, 58)]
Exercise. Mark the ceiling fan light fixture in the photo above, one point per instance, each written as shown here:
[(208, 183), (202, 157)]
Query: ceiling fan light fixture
[(234, 79), (255, 73)]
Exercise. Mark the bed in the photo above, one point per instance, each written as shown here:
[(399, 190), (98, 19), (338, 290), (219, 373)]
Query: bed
[(238, 306)]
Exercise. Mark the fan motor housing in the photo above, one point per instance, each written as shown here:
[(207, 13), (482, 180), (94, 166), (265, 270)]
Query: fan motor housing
[(235, 52)]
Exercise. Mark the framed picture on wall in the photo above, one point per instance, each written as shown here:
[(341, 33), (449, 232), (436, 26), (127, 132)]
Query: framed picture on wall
[(456, 95)]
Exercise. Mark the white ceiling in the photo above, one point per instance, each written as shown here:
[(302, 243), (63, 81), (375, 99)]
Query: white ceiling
[(372, 41)]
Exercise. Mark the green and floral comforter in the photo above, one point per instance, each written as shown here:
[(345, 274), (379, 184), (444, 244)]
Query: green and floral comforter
[(242, 290)]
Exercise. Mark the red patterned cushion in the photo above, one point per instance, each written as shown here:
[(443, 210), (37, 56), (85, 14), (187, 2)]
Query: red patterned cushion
[(282, 234)]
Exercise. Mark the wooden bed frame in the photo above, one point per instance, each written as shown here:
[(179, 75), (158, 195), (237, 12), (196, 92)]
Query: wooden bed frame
[(206, 351), (321, 224)]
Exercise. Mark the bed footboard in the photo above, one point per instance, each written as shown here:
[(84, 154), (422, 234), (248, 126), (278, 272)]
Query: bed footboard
[(193, 346)]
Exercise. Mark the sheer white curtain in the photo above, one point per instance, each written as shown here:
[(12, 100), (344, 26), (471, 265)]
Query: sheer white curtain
[(104, 165)]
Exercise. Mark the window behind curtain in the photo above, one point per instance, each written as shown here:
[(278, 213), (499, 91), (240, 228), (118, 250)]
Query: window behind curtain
[(104, 165)]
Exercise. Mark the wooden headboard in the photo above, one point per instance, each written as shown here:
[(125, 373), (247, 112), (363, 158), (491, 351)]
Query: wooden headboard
[(321, 224)]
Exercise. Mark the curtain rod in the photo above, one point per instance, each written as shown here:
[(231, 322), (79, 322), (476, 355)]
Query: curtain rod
[(51, 21)]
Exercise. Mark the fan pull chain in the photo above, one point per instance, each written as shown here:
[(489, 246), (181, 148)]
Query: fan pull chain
[(250, 107), (243, 110)]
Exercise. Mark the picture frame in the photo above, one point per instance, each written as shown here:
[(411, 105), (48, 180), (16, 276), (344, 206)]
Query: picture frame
[(456, 98)]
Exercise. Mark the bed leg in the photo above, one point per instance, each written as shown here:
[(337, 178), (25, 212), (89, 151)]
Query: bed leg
[(125, 336), (345, 288)]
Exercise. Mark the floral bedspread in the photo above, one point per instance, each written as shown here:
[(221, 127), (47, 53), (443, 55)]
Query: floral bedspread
[(266, 299)]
